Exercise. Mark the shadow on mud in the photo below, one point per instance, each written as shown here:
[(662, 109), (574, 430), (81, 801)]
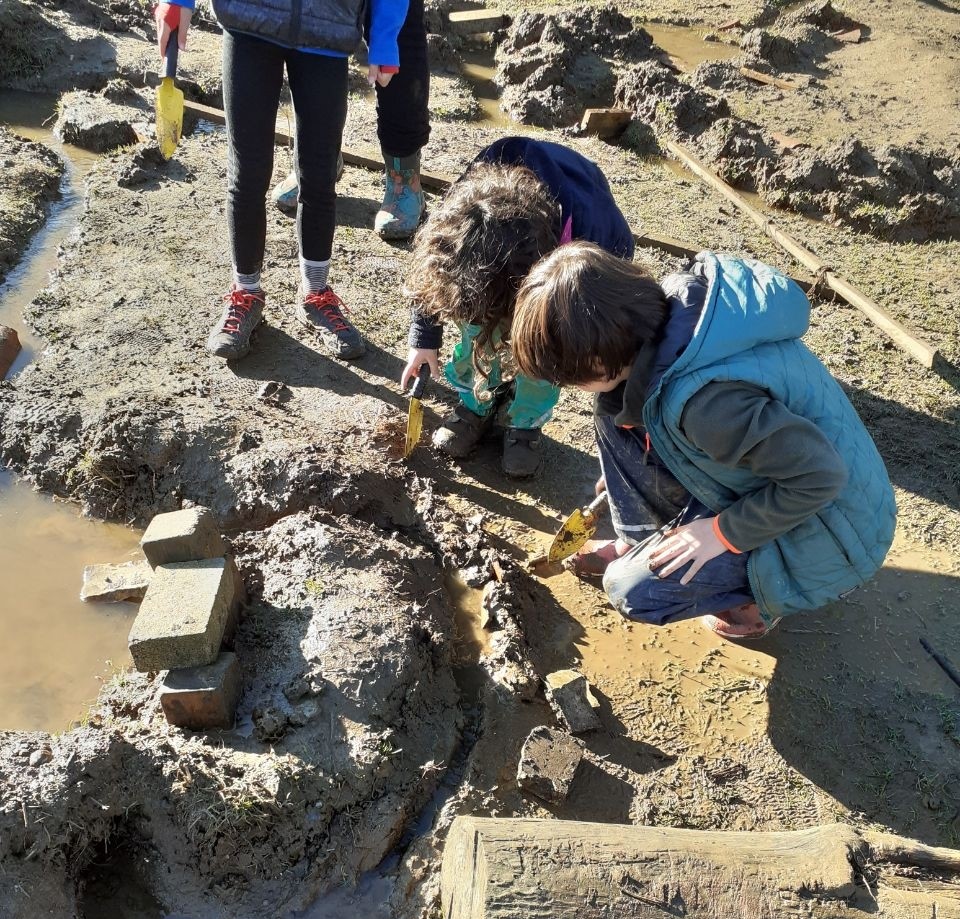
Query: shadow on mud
[(860, 709), (921, 451)]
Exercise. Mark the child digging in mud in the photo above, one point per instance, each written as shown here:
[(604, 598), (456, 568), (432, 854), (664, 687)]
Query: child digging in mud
[(519, 200), (312, 41), (742, 484)]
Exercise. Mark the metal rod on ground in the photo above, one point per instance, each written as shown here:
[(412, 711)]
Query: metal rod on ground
[(945, 665), (926, 354)]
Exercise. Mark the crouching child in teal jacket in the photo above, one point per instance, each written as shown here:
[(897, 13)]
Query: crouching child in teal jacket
[(742, 484)]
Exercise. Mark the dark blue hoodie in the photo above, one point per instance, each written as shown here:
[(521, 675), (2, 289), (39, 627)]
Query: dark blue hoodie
[(587, 208)]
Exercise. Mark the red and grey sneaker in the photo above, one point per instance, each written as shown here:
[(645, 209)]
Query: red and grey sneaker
[(323, 312), (242, 312)]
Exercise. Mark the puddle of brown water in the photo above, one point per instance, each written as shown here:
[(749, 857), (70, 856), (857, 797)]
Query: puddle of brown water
[(31, 115), (686, 47), (55, 647), (478, 69)]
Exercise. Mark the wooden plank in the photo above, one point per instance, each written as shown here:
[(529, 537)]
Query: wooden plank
[(758, 77), (729, 24), (473, 22), (788, 142), (605, 123), (925, 353), (554, 869), (850, 37), (432, 180)]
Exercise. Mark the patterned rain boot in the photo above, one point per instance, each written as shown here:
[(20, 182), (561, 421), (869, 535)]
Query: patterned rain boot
[(403, 203)]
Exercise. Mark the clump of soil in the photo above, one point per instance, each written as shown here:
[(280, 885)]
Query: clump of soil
[(349, 703), (97, 122), (552, 66), (29, 179)]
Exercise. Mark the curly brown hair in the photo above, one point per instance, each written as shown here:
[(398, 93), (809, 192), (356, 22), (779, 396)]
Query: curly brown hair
[(474, 251), (583, 314)]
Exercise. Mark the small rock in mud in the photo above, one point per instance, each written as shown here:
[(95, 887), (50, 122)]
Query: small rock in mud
[(275, 392), (548, 764), (95, 123), (9, 349), (568, 692), (554, 65), (40, 756), (115, 583)]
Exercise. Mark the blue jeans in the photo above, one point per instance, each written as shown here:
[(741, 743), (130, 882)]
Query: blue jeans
[(646, 501)]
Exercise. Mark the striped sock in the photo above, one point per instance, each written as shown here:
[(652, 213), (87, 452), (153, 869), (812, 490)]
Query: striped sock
[(247, 281), (314, 275)]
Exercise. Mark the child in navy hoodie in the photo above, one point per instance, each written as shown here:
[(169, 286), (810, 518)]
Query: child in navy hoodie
[(311, 41), (519, 200)]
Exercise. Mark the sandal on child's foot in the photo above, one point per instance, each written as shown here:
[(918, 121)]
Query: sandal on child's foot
[(595, 557), (743, 623)]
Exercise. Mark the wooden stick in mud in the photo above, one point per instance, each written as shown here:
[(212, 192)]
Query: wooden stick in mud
[(759, 77), (926, 354), (547, 869)]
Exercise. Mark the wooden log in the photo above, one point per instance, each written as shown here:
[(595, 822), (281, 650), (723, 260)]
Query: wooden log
[(552, 869), (925, 353), (759, 77), (605, 123), (433, 181), (474, 22)]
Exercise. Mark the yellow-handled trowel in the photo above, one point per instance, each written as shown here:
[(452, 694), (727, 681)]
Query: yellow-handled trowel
[(169, 102), (576, 530), (415, 415)]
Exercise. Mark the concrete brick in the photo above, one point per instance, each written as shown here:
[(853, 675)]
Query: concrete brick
[(569, 694), (9, 348), (116, 582), (184, 614), (202, 698), (182, 536), (548, 763)]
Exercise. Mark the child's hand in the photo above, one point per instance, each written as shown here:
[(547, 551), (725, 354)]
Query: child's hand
[(416, 357), (381, 75), (169, 16), (695, 542)]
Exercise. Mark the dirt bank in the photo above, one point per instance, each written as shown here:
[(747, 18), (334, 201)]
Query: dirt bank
[(29, 180), (841, 715)]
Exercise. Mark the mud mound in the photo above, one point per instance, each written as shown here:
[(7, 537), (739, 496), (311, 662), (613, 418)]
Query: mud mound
[(892, 192), (29, 179), (98, 123), (348, 702), (670, 105), (552, 66)]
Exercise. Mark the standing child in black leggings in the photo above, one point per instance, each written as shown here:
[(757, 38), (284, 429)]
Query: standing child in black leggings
[(312, 40)]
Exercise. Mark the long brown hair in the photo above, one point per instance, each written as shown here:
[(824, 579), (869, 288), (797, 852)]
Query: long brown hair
[(474, 251), (582, 315)]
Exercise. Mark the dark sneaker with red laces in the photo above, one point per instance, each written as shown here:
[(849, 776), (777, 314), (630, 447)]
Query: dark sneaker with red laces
[(242, 312), (323, 312)]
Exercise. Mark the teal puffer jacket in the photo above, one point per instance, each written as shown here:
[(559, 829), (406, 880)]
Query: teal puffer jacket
[(750, 330)]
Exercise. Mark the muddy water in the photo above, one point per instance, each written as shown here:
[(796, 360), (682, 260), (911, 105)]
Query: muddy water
[(478, 70), (55, 649), (686, 47), (31, 115)]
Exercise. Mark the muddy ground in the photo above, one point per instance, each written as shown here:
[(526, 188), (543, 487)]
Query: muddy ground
[(350, 643)]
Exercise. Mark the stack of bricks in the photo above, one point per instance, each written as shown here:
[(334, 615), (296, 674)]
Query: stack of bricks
[(190, 608)]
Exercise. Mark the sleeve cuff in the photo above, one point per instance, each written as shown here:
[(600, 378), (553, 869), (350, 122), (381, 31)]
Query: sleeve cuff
[(729, 546), (189, 4)]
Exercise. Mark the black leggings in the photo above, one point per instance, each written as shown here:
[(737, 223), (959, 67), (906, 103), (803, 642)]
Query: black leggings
[(403, 118), (252, 79)]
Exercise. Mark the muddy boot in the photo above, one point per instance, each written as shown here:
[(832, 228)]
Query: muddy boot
[(403, 204), (242, 312), (461, 431), (522, 456), (323, 312), (285, 196)]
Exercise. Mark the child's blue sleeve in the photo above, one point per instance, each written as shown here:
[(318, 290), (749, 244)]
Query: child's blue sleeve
[(386, 19), (189, 4)]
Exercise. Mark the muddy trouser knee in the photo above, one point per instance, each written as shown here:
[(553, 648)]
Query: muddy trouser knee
[(643, 494), (641, 594), (533, 400)]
